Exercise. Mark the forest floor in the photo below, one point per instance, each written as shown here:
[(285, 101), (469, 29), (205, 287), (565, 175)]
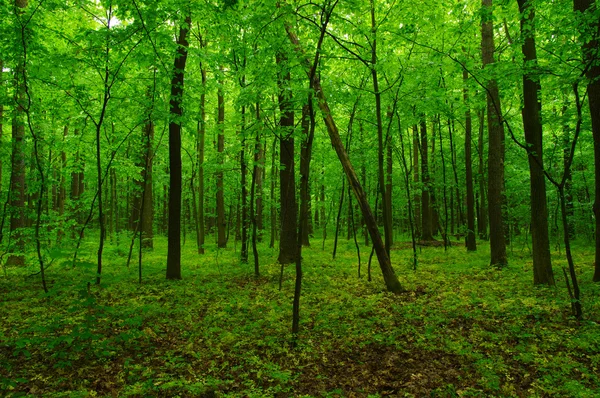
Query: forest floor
[(461, 329)]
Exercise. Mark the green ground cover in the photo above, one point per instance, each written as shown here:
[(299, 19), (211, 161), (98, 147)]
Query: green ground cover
[(461, 329)]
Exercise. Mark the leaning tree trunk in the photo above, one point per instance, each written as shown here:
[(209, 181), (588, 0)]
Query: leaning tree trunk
[(287, 183), (496, 145), (389, 276), (174, 234), (590, 53), (532, 123)]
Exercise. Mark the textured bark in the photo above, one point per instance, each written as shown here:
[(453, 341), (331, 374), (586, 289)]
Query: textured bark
[(590, 53), (470, 240), (532, 123), (287, 182), (259, 159), (496, 145), (177, 81)]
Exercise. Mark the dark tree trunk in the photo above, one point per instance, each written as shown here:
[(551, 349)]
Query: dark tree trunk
[(17, 176), (244, 174), (273, 211), (496, 145), (590, 54), (287, 184), (305, 158), (532, 123), (174, 234), (471, 241), (387, 228), (482, 215), (200, 141), (221, 223), (147, 204), (426, 225), (259, 159), (416, 181)]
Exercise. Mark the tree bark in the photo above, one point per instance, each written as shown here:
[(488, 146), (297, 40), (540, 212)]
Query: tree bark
[(287, 184), (532, 123), (200, 142), (177, 81), (495, 144), (482, 215), (305, 158), (590, 54)]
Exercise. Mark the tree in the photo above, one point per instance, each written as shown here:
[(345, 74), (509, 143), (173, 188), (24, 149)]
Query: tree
[(471, 241), (590, 27), (221, 224), (287, 180), (176, 111), (496, 143), (532, 123)]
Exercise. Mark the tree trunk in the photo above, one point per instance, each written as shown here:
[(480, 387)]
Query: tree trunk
[(244, 174), (147, 203), (470, 240), (426, 227), (305, 158), (590, 54), (495, 144), (387, 228), (221, 223), (482, 215), (200, 141), (273, 211), (416, 181), (177, 81), (287, 184), (532, 123), (389, 276), (259, 159), (17, 177)]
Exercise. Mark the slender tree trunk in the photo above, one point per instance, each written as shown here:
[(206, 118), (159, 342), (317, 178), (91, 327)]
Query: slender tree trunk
[(426, 225), (532, 123), (416, 181), (590, 53), (287, 184), (496, 145), (200, 142), (221, 223), (387, 228), (259, 159), (177, 81), (147, 205), (17, 177), (273, 211), (305, 158), (471, 241), (389, 276), (388, 181), (244, 176), (482, 218)]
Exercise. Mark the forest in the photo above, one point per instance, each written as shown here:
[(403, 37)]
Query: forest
[(312, 198)]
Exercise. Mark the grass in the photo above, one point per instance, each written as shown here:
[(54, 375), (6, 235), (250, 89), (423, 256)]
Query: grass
[(461, 329)]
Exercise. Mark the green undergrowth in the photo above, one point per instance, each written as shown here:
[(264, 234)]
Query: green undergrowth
[(461, 328)]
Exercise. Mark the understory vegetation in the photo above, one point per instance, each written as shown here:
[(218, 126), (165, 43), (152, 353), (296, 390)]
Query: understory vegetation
[(462, 328)]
